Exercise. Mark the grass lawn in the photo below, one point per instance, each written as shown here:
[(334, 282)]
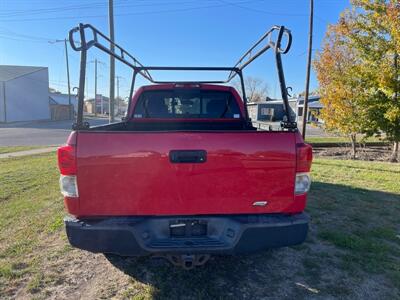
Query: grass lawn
[(9, 149), (352, 251)]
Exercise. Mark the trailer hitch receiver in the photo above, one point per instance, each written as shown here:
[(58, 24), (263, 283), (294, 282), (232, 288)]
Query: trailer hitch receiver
[(188, 261)]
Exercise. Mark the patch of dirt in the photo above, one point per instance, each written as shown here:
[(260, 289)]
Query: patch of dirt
[(370, 153)]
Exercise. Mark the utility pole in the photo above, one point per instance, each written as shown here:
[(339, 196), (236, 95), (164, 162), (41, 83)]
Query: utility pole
[(310, 38), (96, 62), (118, 77), (112, 60), (69, 84), (68, 80), (95, 87), (87, 86)]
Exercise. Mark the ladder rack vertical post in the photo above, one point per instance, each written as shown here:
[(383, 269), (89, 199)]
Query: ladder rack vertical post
[(82, 76)]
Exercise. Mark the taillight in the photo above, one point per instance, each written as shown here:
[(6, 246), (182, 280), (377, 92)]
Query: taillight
[(187, 85), (302, 183), (67, 164), (67, 160), (68, 186), (303, 166), (304, 157), (67, 156)]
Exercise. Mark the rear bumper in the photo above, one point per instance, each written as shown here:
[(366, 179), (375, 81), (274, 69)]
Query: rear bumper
[(232, 234)]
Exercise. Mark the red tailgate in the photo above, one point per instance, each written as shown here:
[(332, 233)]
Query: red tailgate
[(131, 173)]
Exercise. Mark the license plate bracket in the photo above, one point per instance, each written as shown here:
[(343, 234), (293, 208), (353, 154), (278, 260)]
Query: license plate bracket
[(188, 228)]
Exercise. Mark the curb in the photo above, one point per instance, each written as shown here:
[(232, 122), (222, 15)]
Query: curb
[(28, 152)]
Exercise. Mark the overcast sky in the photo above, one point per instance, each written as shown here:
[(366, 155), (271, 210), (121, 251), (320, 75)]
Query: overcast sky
[(163, 32)]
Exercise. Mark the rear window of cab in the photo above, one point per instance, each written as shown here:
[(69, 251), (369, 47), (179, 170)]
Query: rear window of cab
[(187, 104)]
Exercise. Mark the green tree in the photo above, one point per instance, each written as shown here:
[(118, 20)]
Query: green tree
[(372, 28), (341, 88)]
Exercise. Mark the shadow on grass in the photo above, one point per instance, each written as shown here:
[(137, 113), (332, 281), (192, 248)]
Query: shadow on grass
[(345, 218), (220, 277), (347, 197)]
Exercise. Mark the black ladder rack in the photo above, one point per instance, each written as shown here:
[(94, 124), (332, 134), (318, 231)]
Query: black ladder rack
[(99, 40)]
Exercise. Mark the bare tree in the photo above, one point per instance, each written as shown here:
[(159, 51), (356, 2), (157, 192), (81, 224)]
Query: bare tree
[(256, 89)]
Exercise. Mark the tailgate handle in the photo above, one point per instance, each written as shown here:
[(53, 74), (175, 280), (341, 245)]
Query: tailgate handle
[(187, 156)]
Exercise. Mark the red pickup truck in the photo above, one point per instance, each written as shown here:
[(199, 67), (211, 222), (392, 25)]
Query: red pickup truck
[(184, 175)]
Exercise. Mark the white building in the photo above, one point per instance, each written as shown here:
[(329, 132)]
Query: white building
[(270, 111), (273, 110), (314, 108), (63, 99), (24, 93)]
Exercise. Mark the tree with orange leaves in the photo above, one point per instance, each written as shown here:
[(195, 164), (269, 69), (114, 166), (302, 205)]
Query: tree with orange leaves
[(366, 45), (373, 30), (341, 89)]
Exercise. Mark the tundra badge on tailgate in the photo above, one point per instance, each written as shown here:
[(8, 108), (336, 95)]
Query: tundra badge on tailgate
[(260, 203)]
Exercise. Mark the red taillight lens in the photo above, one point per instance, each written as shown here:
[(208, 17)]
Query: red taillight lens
[(67, 160), (304, 157)]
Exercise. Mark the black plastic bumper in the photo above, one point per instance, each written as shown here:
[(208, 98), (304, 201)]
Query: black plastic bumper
[(225, 234)]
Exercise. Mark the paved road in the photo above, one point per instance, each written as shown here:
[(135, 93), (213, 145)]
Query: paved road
[(311, 130), (42, 133)]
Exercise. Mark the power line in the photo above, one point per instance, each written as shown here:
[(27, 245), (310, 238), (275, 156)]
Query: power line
[(140, 13), (9, 34), (112, 59), (47, 10), (259, 10), (86, 6), (5, 37), (238, 4)]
